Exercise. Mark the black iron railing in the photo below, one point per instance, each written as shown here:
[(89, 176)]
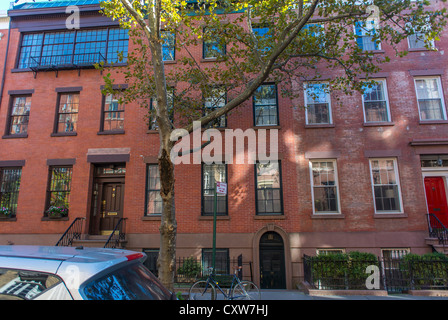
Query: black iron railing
[(437, 229), (65, 61), (191, 269), (73, 232), (395, 274), (117, 235)]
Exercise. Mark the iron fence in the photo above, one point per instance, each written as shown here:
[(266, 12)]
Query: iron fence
[(395, 275)]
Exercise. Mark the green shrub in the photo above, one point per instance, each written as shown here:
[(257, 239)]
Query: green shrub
[(427, 271), (190, 268), (342, 270)]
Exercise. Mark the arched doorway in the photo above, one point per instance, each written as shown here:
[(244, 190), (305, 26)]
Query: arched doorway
[(272, 261)]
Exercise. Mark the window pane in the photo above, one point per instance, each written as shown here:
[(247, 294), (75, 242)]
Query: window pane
[(365, 33), (212, 173), (68, 113), (268, 188), (60, 186), (154, 199), (20, 115), (9, 188), (317, 103), (265, 105), (222, 263), (385, 185), (168, 45), (325, 190), (113, 114), (213, 99), (73, 48), (429, 99)]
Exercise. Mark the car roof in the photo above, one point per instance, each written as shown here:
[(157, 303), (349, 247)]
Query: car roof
[(57, 259)]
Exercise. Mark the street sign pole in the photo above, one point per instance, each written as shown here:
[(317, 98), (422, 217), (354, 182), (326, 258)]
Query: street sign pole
[(221, 188), (215, 208)]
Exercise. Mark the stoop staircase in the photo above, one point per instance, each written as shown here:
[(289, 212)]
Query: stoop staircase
[(73, 236), (438, 235)]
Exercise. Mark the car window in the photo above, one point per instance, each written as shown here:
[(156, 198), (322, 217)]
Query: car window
[(24, 284), (130, 282)]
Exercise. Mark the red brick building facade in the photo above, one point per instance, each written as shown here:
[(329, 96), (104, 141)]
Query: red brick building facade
[(353, 177)]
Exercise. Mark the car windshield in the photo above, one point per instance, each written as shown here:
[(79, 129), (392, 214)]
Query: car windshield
[(131, 282)]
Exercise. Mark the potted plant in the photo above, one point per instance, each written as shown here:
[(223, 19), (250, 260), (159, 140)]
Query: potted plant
[(55, 212), (5, 213)]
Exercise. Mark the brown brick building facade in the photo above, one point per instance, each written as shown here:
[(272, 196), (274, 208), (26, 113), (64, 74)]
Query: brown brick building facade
[(106, 157)]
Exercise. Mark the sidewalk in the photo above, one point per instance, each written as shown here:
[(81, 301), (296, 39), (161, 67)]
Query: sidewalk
[(299, 295)]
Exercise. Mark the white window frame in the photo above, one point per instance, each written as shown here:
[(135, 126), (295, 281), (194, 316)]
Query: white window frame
[(328, 95), (397, 253), (364, 35), (395, 162), (336, 185), (417, 34), (439, 89), (386, 96)]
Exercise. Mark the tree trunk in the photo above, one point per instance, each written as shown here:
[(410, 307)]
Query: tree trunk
[(168, 228)]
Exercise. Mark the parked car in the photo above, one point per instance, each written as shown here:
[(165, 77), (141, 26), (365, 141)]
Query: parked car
[(68, 273)]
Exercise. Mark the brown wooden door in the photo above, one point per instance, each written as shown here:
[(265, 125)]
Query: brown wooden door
[(111, 206), (436, 198)]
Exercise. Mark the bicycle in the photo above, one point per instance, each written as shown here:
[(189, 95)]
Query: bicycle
[(239, 290)]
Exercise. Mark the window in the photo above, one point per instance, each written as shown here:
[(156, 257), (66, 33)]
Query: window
[(430, 99), (365, 33), (9, 189), (418, 39), (434, 161), (19, 115), (318, 103), (59, 186), (154, 202), (265, 105), (315, 36), (153, 105), (73, 48), (376, 105), (30, 284), (385, 183), (67, 114), (324, 184), (129, 282), (113, 114), (168, 45), (263, 37), (212, 46), (215, 98), (396, 253), (222, 261), (151, 260), (212, 173), (269, 188)]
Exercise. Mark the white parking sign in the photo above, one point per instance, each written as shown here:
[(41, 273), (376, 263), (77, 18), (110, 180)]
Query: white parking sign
[(221, 187)]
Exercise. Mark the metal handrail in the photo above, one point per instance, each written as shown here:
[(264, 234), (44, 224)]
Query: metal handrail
[(113, 240), (437, 229), (73, 232)]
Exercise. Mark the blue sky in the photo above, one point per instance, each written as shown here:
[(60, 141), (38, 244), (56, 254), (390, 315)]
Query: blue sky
[(4, 4)]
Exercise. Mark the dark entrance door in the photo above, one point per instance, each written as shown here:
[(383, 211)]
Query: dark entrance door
[(272, 261), (107, 198), (436, 198), (111, 206)]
